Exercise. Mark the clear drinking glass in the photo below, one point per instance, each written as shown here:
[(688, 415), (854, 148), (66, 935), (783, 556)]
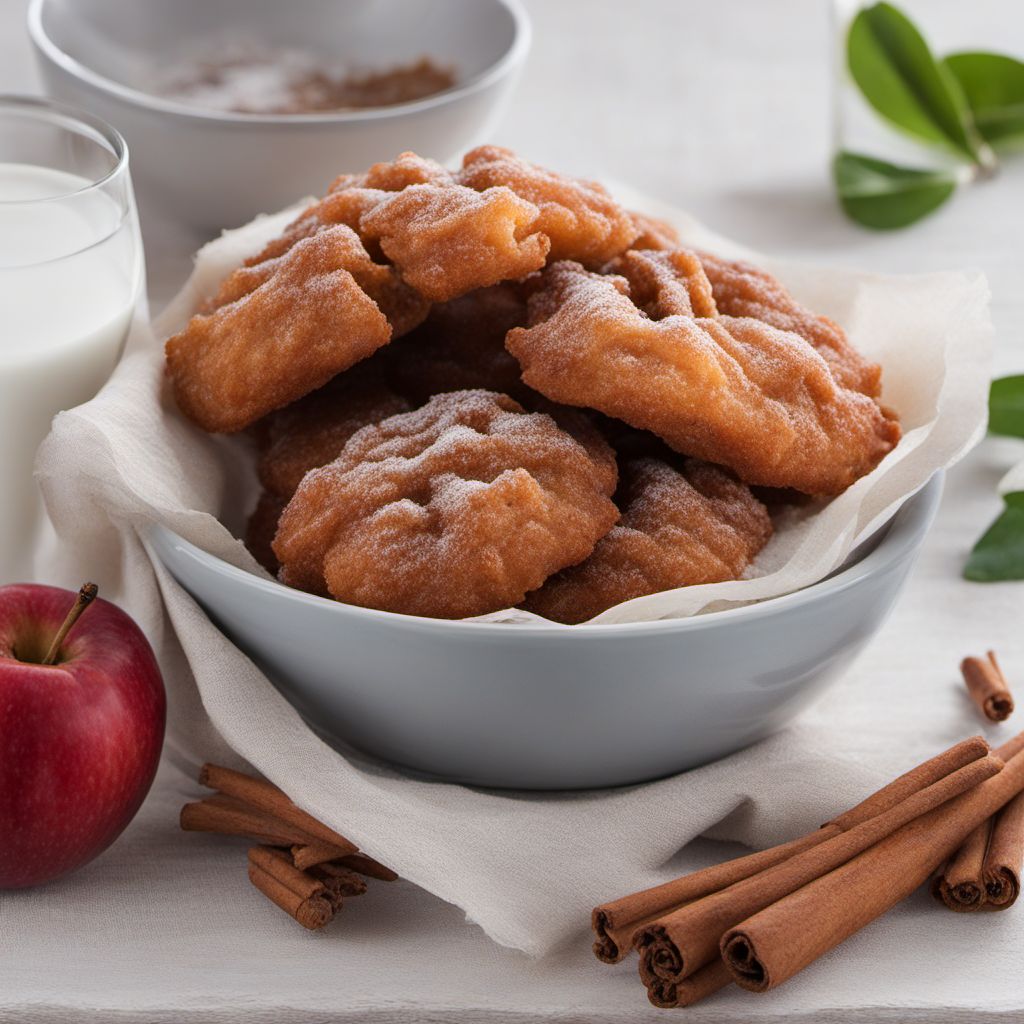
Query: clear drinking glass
[(71, 272)]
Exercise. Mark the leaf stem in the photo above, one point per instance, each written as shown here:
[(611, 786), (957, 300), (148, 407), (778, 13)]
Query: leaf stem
[(987, 166)]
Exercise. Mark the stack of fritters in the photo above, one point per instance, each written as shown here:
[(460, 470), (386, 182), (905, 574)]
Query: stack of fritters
[(495, 386)]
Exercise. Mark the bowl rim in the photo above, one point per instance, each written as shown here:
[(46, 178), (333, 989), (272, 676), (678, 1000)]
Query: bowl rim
[(507, 62), (904, 532)]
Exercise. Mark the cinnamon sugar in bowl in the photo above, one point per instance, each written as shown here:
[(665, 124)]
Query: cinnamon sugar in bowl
[(443, 71)]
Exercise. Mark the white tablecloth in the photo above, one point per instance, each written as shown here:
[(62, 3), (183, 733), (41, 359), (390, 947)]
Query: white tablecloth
[(734, 125)]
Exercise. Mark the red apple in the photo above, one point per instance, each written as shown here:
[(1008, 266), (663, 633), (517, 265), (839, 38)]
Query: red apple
[(80, 738)]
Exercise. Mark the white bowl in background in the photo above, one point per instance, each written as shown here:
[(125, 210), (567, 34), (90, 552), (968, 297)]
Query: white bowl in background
[(212, 169), (540, 707)]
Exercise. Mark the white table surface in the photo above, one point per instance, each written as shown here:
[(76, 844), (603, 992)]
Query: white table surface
[(722, 108)]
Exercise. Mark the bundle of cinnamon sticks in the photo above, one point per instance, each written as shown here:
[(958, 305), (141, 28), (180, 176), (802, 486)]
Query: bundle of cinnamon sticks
[(304, 867), (758, 920)]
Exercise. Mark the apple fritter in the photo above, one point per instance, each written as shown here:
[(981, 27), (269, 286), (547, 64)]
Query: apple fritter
[(729, 390), (448, 239), (444, 238), (351, 195), (680, 527), (654, 233), (741, 289), (312, 431), (457, 509), (667, 283), (581, 219), (307, 317), (403, 306)]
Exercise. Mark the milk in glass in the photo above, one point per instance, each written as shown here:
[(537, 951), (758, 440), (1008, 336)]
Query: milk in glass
[(69, 278)]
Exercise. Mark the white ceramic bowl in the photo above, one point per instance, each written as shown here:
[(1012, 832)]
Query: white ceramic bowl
[(534, 707), (211, 169)]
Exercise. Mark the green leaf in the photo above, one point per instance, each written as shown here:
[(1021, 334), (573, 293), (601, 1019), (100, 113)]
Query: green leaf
[(883, 196), (999, 555), (895, 70), (993, 85), (1006, 406)]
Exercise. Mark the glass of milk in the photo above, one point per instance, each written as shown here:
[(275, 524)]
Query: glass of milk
[(71, 271)]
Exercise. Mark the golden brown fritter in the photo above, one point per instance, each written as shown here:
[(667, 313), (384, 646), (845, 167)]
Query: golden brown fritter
[(461, 347), (580, 218), (668, 283), (351, 195), (679, 528), (307, 318), (444, 238), (729, 390), (741, 289), (403, 306), (454, 510), (654, 233), (447, 239), (312, 431), (553, 336)]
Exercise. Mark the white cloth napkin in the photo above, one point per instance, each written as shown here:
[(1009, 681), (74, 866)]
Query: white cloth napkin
[(526, 868)]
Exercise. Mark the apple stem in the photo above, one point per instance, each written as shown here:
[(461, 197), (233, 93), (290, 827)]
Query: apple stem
[(85, 598)]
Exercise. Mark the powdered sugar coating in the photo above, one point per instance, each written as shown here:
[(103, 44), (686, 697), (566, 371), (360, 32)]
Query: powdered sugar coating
[(444, 238), (666, 283), (580, 424), (406, 169), (447, 239), (498, 219), (306, 320), (335, 208), (403, 306), (680, 527), (741, 289), (729, 390), (351, 195), (580, 218), (654, 233), (456, 509), (462, 347), (313, 431)]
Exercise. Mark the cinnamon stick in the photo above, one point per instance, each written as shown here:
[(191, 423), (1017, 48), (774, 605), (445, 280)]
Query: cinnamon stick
[(984, 874), (777, 942), (1011, 747), (368, 866), (988, 687), (338, 882), (616, 922), (678, 945), (307, 855), (961, 886), (228, 816), (699, 985), (267, 797), (298, 894), (1004, 858)]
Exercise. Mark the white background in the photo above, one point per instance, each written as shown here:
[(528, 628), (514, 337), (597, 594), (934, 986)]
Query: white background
[(722, 108)]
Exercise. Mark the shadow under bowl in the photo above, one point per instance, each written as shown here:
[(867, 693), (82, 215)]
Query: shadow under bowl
[(537, 707)]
